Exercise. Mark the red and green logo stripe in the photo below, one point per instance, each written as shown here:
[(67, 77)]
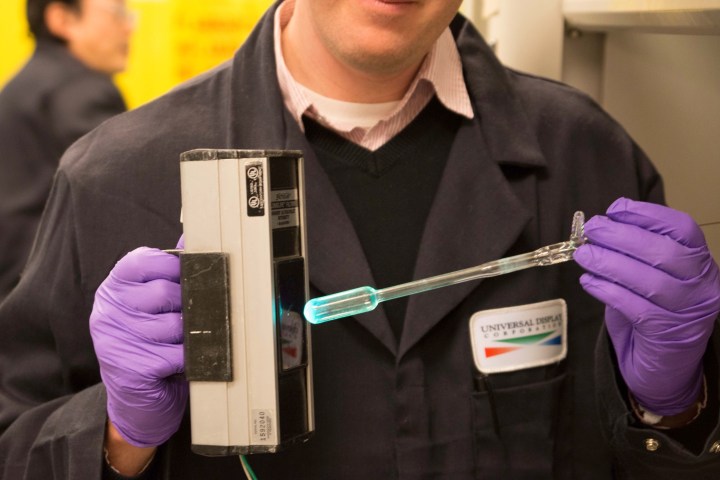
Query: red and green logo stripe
[(523, 341)]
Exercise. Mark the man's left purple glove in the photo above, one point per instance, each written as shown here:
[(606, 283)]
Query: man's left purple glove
[(651, 267), (137, 333)]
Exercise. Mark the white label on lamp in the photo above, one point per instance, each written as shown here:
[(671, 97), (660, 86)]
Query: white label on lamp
[(520, 337), (262, 426), (284, 205)]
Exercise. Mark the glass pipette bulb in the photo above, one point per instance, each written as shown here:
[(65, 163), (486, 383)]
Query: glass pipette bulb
[(364, 299)]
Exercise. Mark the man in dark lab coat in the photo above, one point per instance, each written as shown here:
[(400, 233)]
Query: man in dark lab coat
[(447, 160), (63, 92)]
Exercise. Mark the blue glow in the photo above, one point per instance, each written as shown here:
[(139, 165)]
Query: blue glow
[(340, 305)]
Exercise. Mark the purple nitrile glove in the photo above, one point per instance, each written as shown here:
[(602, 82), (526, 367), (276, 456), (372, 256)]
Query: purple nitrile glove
[(137, 332), (651, 267)]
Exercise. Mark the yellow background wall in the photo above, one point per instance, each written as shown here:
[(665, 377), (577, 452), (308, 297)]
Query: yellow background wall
[(173, 41)]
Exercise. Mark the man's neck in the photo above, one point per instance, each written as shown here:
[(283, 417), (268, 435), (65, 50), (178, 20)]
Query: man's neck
[(313, 66)]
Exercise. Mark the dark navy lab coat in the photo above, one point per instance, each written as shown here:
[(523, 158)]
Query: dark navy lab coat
[(51, 102), (414, 409)]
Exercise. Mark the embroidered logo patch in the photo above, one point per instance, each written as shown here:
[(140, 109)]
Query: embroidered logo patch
[(515, 338)]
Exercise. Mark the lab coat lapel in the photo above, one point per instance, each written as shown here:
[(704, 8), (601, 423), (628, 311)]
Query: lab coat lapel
[(476, 217), (255, 121), (336, 258)]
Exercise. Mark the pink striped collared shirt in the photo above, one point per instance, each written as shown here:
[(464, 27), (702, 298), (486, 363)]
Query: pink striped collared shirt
[(440, 74)]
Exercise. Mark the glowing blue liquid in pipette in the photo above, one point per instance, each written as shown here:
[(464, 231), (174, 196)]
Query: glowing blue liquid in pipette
[(339, 305), (364, 299)]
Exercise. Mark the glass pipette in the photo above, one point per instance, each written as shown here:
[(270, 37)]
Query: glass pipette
[(364, 299)]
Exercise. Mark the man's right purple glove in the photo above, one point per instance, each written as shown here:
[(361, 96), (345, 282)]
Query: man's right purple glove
[(651, 266), (137, 332)]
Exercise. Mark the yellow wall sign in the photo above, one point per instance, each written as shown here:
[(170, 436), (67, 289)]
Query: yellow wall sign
[(174, 40), (208, 33)]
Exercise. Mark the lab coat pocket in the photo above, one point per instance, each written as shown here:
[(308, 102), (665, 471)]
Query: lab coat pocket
[(517, 429)]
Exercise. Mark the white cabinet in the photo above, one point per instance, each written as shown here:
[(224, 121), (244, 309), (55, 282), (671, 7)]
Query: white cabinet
[(652, 64), (665, 90), (538, 46)]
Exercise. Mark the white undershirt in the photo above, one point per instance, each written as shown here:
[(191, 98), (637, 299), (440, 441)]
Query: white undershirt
[(349, 115)]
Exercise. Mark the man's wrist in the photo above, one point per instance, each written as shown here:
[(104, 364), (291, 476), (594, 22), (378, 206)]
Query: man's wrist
[(122, 457), (664, 422)]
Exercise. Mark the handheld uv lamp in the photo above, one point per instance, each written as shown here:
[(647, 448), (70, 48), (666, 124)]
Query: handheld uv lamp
[(244, 285)]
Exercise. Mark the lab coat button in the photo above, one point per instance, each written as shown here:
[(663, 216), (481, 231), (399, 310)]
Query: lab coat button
[(651, 444), (715, 448)]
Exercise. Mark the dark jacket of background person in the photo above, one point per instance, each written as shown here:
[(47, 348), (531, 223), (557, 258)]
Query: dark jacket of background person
[(535, 152), (50, 103)]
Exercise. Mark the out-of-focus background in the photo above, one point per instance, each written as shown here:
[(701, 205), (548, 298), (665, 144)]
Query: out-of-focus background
[(173, 41), (652, 64)]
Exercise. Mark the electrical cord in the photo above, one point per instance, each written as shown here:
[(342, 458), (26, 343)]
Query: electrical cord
[(247, 469)]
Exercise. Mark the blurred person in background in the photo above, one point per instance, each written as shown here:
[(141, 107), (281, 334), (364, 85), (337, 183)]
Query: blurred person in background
[(64, 91)]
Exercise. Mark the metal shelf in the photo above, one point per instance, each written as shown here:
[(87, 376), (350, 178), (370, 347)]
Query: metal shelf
[(672, 16)]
